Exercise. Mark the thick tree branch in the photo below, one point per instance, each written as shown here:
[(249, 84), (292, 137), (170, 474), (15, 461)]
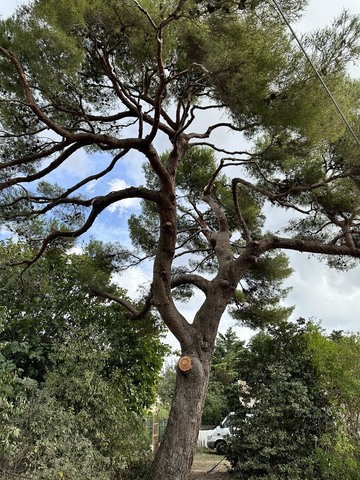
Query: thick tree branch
[(45, 171), (308, 246), (213, 127), (191, 279), (37, 156)]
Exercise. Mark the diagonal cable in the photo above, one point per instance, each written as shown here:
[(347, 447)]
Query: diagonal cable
[(349, 127)]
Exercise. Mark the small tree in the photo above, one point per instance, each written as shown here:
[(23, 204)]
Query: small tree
[(336, 358), (127, 79), (279, 436), (223, 374), (166, 387)]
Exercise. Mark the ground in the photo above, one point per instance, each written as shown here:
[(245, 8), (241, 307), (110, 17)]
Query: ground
[(204, 462)]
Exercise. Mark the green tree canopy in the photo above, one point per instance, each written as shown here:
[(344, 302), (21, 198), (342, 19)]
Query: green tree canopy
[(285, 410), (224, 373), (49, 306), (70, 358), (336, 358), (296, 407)]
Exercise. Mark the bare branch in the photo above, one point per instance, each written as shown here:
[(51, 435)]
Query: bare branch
[(146, 13), (241, 220), (38, 156), (218, 149), (134, 313), (308, 246), (45, 171), (231, 126)]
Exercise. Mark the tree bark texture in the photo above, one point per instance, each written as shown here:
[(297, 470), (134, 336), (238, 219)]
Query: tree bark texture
[(174, 458)]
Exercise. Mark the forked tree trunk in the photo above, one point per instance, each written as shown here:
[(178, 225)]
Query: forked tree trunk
[(174, 458)]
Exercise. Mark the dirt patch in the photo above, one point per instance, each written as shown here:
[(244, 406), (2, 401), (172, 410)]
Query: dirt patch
[(205, 467)]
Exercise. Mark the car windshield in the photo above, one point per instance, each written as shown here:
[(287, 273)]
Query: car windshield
[(226, 422)]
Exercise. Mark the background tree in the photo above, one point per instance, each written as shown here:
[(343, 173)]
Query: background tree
[(166, 387), (336, 358), (279, 435), (304, 422), (223, 374), (124, 80), (77, 374)]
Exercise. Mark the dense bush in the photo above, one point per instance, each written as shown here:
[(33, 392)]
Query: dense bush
[(277, 437), (75, 425), (76, 376)]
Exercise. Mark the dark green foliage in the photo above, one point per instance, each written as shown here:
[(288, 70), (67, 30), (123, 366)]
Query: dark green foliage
[(258, 303), (138, 470), (76, 374), (166, 386), (277, 437), (195, 171), (40, 439), (337, 359), (223, 374), (304, 422), (73, 426), (144, 229), (54, 300)]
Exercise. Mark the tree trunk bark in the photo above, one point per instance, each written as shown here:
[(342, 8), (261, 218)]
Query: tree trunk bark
[(174, 458)]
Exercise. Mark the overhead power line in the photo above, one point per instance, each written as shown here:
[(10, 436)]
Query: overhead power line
[(349, 127)]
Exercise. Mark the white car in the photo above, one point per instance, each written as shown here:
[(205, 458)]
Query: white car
[(217, 440)]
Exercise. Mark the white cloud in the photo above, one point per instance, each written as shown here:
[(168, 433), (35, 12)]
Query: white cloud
[(325, 294), (91, 186), (123, 205), (76, 250), (319, 13), (132, 167), (78, 165), (132, 280)]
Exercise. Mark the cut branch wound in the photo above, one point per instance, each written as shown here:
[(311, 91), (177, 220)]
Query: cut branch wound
[(185, 364)]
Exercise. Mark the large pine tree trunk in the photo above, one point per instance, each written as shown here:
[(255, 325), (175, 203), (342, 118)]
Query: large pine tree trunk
[(174, 458)]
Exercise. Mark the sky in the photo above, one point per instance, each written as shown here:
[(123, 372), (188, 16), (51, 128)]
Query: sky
[(318, 292)]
